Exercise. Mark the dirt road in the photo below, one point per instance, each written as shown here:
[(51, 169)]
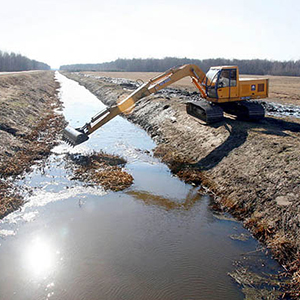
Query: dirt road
[(252, 168)]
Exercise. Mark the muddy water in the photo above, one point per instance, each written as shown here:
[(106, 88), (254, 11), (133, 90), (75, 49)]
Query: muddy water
[(155, 240)]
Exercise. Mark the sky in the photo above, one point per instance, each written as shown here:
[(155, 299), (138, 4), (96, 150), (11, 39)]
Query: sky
[(59, 32)]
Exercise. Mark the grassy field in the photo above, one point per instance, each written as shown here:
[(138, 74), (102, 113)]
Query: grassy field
[(283, 89)]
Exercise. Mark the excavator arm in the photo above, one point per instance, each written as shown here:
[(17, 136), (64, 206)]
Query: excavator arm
[(80, 135)]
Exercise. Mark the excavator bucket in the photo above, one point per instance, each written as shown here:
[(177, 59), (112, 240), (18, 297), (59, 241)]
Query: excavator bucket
[(74, 136)]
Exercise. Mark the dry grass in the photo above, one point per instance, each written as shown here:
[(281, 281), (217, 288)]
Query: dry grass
[(38, 146), (10, 199), (101, 169), (29, 128), (293, 287)]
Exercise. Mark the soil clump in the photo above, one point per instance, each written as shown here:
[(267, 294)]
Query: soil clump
[(252, 168), (99, 168)]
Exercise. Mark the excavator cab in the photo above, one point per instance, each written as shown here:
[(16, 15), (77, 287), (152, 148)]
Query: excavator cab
[(221, 83)]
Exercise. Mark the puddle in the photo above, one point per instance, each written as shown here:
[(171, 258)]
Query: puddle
[(157, 239)]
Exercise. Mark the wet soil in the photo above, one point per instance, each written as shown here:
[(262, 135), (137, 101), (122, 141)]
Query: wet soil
[(99, 168), (251, 168), (28, 128), (254, 285)]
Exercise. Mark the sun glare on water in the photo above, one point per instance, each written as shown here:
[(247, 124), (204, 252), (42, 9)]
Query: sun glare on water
[(40, 257)]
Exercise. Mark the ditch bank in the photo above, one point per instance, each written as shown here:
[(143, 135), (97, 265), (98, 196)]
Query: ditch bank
[(29, 127), (251, 168)]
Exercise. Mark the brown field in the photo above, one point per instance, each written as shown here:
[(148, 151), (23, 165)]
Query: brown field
[(283, 89)]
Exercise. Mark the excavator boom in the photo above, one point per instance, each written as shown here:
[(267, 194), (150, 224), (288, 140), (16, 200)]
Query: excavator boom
[(221, 90), (80, 135)]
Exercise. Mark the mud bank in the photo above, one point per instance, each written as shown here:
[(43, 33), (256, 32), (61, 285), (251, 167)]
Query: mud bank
[(99, 168), (28, 128), (252, 168)]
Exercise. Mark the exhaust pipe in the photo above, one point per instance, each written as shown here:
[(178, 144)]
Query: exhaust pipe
[(74, 136)]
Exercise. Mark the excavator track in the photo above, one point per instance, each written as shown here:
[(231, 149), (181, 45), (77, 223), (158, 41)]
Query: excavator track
[(245, 110), (205, 111)]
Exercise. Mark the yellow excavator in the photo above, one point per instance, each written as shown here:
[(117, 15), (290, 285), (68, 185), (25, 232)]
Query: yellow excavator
[(221, 89)]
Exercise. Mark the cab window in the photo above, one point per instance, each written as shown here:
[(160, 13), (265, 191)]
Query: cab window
[(233, 77), (224, 79), (227, 78)]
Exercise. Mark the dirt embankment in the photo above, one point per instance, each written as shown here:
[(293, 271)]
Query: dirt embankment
[(252, 168), (28, 127)]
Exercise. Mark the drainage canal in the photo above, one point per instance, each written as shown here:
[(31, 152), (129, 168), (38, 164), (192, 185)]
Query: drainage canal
[(157, 239)]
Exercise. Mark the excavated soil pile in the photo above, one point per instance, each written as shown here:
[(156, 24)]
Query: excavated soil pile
[(101, 169), (252, 168), (28, 127)]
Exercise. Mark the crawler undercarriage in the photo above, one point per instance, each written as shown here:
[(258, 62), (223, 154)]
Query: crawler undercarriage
[(212, 113)]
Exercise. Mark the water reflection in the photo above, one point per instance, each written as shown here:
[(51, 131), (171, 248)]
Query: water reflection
[(151, 199), (40, 257)]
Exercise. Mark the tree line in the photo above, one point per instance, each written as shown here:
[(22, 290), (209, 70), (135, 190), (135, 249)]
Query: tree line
[(246, 66), (11, 62)]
